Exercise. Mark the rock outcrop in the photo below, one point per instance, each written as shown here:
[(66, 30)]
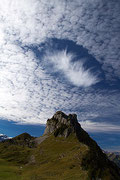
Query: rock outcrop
[(62, 125), (95, 161)]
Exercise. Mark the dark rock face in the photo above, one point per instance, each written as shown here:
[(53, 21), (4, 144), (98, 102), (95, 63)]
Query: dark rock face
[(62, 125)]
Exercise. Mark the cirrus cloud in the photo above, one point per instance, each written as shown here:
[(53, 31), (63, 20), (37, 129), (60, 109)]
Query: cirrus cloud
[(75, 72)]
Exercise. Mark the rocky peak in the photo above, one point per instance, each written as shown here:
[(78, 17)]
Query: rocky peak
[(64, 125), (61, 124)]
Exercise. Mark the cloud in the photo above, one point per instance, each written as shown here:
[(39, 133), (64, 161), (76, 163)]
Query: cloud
[(73, 71), (91, 126), (92, 24), (28, 94)]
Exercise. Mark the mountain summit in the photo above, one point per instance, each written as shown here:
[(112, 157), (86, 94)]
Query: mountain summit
[(65, 151), (94, 160), (62, 125)]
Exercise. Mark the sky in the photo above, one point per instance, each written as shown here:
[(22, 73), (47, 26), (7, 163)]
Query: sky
[(60, 55)]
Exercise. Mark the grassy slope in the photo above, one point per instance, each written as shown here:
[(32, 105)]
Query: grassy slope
[(55, 158), (9, 171), (14, 153), (17, 149)]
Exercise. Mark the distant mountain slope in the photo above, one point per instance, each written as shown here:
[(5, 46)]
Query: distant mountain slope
[(3, 137), (65, 151), (17, 149), (115, 157)]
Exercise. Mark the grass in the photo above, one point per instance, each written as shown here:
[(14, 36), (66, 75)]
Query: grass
[(15, 153), (56, 158), (18, 149), (8, 171)]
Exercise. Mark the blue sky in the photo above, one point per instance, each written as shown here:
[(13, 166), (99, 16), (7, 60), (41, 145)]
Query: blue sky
[(60, 55), (108, 141)]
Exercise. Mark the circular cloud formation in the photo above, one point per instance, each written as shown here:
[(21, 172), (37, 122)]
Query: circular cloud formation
[(93, 24), (28, 94)]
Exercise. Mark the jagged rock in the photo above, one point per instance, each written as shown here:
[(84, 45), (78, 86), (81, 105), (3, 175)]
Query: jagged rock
[(95, 161), (64, 125), (61, 124)]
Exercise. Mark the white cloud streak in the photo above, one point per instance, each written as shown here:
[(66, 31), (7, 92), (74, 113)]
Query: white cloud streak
[(73, 71), (91, 126)]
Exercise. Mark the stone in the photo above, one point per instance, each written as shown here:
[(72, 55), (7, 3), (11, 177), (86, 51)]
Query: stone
[(61, 124)]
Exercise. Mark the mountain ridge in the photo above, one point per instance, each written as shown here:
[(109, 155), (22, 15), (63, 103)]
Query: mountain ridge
[(61, 125), (65, 151)]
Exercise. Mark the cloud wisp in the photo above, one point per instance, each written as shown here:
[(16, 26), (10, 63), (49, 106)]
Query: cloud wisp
[(75, 72), (92, 126)]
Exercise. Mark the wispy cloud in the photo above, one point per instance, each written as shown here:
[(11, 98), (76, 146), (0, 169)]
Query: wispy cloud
[(73, 71), (92, 126)]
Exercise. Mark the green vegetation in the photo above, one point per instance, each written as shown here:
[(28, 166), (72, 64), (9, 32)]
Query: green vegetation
[(8, 171), (56, 158), (76, 157), (18, 149)]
